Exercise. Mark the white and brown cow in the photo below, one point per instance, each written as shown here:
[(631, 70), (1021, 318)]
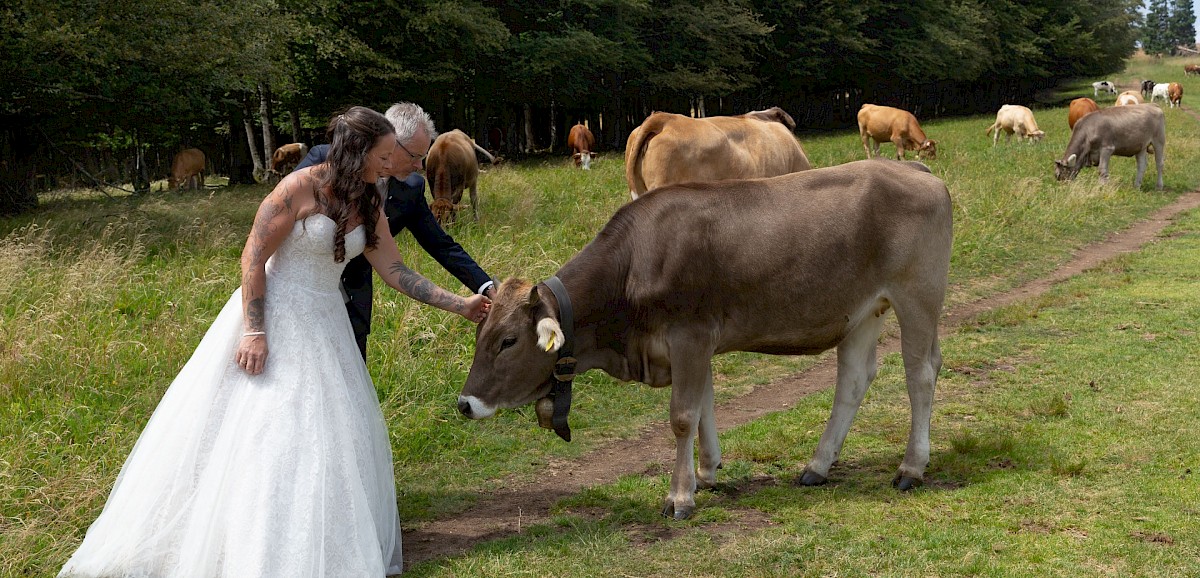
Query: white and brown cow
[(1174, 94), (286, 157), (1127, 131), (187, 170), (452, 167), (886, 124), (1128, 97), (581, 142), (1014, 118), (670, 282), (668, 149)]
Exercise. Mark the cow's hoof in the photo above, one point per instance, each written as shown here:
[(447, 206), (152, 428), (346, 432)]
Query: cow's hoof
[(811, 478), (905, 483), (684, 513)]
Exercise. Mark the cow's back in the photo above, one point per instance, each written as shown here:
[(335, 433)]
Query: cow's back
[(770, 256), (680, 149), (1127, 128)]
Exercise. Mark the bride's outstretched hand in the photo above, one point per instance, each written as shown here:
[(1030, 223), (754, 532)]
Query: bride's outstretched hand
[(477, 308)]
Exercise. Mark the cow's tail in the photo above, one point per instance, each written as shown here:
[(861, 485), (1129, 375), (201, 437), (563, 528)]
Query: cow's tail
[(995, 126), (480, 150), (636, 151)]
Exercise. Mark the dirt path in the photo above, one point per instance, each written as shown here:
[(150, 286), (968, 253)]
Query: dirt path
[(517, 505)]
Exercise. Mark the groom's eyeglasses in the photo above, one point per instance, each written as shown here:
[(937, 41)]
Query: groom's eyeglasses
[(414, 157)]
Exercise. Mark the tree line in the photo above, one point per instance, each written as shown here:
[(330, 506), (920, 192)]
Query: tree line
[(107, 91)]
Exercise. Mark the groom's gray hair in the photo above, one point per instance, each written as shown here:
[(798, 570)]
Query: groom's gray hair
[(407, 117)]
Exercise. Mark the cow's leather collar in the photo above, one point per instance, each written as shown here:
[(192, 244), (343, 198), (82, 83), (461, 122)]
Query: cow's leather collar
[(564, 368)]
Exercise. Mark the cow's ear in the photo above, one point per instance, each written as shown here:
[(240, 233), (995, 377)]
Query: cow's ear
[(550, 335), (534, 298), (1070, 162)]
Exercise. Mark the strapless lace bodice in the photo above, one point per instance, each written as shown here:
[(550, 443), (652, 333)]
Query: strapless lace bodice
[(305, 259)]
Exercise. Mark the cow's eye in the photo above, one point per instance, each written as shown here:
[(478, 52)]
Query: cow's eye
[(508, 342)]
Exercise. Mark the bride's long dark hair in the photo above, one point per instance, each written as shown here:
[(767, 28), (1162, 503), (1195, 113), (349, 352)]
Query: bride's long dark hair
[(351, 136)]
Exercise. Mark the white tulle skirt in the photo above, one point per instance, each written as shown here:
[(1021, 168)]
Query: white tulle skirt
[(283, 474)]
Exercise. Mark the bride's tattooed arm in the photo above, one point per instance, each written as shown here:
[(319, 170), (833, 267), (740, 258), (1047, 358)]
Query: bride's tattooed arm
[(414, 285)]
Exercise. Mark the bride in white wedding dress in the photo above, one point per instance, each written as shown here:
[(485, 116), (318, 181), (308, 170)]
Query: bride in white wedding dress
[(279, 468)]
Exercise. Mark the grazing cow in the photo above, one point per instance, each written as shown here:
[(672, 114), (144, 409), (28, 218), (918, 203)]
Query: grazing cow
[(1104, 85), (1014, 118), (451, 167), (581, 142), (286, 157), (1160, 91), (1175, 94), (1126, 131), (186, 169), (1129, 97), (1190, 69), (833, 249), (886, 124), (1080, 107), (669, 148), (1147, 88)]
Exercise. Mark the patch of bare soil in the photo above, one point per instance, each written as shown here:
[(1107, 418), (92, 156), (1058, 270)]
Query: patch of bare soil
[(518, 504)]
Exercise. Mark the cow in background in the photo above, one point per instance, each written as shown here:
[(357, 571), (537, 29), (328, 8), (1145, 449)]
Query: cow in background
[(286, 157), (899, 127), (1160, 91), (581, 142), (188, 167), (1128, 97), (1127, 131), (1147, 88), (1190, 69), (450, 168), (1080, 108), (669, 149), (1104, 85), (1014, 118), (1174, 94)]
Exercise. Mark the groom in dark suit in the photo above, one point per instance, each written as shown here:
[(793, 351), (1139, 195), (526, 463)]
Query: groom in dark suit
[(405, 207)]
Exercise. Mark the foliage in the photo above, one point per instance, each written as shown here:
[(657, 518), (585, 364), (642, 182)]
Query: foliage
[(1168, 24)]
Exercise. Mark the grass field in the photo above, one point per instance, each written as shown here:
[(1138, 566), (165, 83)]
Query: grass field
[(1060, 436)]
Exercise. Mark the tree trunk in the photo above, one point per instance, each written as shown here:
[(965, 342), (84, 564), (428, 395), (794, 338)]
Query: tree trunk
[(264, 114), (528, 128), (141, 180), (553, 126), (247, 120), (295, 116)]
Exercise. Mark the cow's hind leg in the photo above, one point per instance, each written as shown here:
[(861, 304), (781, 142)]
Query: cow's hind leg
[(856, 368), (475, 200), (918, 314), (710, 448)]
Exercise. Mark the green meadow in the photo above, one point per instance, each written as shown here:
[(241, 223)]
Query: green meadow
[(1063, 432)]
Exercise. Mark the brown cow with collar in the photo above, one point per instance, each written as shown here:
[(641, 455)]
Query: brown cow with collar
[(671, 281), (669, 149), (886, 124)]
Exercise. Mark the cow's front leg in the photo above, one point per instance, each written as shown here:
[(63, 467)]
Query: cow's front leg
[(1143, 159), (899, 142), (475, 200), (1105, 154), (689, 370), (856, 368)]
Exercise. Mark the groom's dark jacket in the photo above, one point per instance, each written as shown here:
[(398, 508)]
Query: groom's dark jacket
[(405, 208)]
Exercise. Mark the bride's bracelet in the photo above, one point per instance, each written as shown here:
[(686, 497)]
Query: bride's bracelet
[(253, 333)]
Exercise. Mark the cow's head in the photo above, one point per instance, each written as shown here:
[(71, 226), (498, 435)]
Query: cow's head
[(1066, 169), (1037, 135), (584, 159), (444, 210), (515, 352), (928, 150)]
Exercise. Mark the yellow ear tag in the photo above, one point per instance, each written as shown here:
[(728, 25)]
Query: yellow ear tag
[(550, 343)]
